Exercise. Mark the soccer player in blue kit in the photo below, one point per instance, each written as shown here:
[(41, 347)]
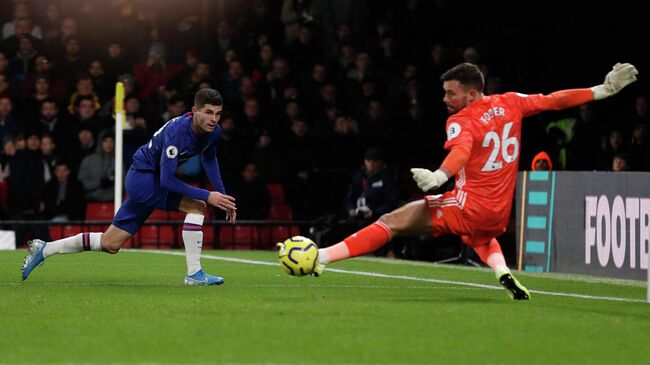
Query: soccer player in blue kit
[(151, 184)]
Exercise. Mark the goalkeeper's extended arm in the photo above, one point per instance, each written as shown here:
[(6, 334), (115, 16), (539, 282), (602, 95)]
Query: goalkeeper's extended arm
[(621, 75), (455, 160)]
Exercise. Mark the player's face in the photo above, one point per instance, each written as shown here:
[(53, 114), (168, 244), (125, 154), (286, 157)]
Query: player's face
[(207, 117), (457, 96)]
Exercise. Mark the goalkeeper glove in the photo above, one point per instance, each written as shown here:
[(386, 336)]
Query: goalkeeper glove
[(427, 179), (621, 75)]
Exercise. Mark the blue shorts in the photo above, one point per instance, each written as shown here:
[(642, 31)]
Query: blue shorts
[(143, 195)]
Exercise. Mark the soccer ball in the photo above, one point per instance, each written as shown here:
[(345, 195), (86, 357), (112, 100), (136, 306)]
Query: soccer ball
[(298, 255)]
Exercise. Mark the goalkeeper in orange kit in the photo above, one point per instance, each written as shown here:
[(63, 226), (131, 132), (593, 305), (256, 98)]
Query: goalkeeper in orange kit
[(483, 139)]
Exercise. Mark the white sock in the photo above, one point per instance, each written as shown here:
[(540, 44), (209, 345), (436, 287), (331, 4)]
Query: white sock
[(193, 240), (322, 257), (499, 270), (81, 242)]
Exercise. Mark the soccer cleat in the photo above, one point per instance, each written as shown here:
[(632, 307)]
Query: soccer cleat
[(33, 258), (515, 290), (318, 270), (201, 278)]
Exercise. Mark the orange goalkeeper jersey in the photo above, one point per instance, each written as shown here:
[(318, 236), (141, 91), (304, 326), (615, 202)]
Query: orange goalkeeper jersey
[(491, 129)]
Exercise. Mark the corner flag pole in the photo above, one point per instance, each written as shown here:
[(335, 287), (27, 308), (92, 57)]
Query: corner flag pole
[(648, 295), (119, 141)]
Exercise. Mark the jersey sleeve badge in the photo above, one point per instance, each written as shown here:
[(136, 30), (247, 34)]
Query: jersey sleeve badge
[(453, 131), (171, 152)]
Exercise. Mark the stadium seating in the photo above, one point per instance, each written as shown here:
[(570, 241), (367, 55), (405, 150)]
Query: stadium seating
[(277, 193), (239, 237), (152, 236), (99, 211)]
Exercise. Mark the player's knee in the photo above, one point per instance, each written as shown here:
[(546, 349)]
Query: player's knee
[(198, 207), (391, 221)]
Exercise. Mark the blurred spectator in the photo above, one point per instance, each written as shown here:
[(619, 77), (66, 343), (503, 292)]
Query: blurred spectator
[(230, 81), (640, 147), (278, 79), (372, 191), (267, 158), (225, 40), (84, 88), (8, 153), (104, 88), (9, 124), (97, 171), (50, 121), (251, 124), (31, 105), (586, 140), (541, 162), (116, 62), (152, 76), (620, 162), (174, 107), (231, 150), (24, 60), (51, 22), (26, 181), (294, 13), (189, 83), (304, 51), (33, 143), (21, 14), (63, 196), (85, 115), (247, 90), (71, 64), (5, 90), (253, 197), (84, 146), (299, 162), (109, 107), (48, 152), (612, 145), (641, 109), (43, 67), (263, 64)]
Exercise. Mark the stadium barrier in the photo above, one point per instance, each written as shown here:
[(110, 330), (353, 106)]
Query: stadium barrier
[(594, 223), (161, 234)]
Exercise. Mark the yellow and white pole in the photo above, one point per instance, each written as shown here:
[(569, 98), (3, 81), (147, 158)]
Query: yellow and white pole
[(119, 142)]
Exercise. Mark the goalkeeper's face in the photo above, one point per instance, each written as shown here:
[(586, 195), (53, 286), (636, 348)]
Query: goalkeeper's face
[(457, 96), (207, 117)]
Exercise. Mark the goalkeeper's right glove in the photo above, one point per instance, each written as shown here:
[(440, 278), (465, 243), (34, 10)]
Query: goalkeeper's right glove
[(428, 180), (621, 75)]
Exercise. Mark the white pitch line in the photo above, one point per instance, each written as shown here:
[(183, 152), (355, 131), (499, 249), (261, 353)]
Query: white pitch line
[(401, 277)]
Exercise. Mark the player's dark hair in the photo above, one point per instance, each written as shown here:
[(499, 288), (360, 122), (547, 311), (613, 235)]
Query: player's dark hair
[(207, 96), (468, 74)]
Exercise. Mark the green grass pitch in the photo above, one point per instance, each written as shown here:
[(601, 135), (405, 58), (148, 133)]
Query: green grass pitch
[(130, 308)]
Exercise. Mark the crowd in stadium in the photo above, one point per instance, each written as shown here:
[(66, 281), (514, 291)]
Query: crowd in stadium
[(308, 88)]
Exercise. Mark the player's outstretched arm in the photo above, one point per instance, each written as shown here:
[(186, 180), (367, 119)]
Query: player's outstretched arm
[(621, 75)]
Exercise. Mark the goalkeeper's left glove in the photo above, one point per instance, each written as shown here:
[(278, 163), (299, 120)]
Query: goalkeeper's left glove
[(621, 75), (427, 179)]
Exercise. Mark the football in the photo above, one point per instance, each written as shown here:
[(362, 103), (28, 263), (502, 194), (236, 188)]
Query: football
[(298, 255)]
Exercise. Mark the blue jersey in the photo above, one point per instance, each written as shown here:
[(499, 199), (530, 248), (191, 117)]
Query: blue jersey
[(172, 145)]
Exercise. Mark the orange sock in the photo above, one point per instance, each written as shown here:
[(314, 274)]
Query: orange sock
[(491, 254), (364, 241), (368, 239)]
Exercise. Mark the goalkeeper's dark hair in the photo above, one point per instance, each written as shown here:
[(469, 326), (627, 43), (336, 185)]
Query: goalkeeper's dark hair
[(468, 74), (207, 96)]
